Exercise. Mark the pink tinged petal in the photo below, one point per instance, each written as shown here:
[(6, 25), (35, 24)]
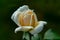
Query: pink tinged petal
[(27, 19), (38, 28)]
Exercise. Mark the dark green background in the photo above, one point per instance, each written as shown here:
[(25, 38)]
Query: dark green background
[(47, 10)]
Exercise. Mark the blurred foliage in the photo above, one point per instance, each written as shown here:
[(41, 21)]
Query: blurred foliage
[(50, 34), (47, 10)]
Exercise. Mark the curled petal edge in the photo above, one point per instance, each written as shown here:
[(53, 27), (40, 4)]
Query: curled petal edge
[(21, 9), (38, 28), (24, 28), (18, 29)]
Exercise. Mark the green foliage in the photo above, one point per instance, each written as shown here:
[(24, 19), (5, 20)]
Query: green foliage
[(50, 34)]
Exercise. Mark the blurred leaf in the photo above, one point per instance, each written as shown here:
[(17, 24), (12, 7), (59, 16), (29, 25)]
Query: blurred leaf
[(51, 35)]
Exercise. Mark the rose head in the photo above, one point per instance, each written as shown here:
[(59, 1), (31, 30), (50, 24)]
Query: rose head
[(26, 19)]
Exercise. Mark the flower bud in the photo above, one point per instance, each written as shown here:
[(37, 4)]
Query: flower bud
[(27, 18)]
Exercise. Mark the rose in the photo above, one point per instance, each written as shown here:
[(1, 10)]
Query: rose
[(26, 19)]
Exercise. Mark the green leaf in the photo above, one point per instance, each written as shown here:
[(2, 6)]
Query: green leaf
[(51, 35)]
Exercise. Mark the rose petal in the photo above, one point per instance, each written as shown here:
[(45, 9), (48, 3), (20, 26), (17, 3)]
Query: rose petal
[(27, 19), (18, 29), (24, 28), (38, 28), (14, 16)]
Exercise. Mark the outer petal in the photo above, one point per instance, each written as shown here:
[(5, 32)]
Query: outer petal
[(14, 16), (38, 28), (24, 28), (18, 29)]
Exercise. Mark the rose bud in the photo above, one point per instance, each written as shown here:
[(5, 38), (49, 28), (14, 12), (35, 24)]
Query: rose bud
[(26, 19)]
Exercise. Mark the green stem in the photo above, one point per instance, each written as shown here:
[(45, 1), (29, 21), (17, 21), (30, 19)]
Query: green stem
[(26, 36)]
